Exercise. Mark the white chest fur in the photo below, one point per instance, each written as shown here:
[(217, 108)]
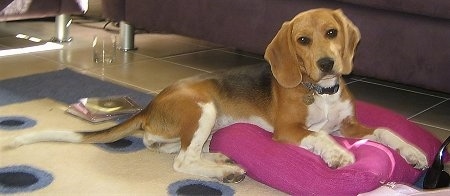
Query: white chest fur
[(327, 112)]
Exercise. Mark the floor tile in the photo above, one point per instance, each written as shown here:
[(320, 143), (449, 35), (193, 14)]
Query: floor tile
[(160, 45), (407, 87), (153, 75), (438, 116), (14, 42), (25, 64), (351, 78), (3, 33), (441, 134), (244, 53), (200, 42), (41, 29), (213, 60), (404, 102), (80, 57)]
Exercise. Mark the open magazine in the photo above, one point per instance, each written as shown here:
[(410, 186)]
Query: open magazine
[(99, 109)]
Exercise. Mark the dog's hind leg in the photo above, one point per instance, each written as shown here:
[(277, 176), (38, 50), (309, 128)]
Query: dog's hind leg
[(190, 159), (160, 144)]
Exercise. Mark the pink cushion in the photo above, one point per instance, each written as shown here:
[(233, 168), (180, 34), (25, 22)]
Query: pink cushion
[(296, 171)]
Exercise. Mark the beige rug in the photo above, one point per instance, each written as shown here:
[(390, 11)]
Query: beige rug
[(82, 169)]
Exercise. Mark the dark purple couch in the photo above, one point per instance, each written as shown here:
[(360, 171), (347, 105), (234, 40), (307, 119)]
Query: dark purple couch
[(31, 9), (37, 9), (404, 41)]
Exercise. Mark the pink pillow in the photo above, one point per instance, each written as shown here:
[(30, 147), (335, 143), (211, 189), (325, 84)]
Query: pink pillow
[(296, 171)]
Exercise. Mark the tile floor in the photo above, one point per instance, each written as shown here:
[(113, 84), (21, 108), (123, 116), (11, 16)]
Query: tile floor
[(163, 59)]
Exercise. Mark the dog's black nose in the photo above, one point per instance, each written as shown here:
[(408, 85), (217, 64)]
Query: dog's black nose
[(325, 64)]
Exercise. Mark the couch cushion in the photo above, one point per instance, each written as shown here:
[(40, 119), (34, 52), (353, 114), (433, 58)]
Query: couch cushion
[(432, 8), (114, 10)]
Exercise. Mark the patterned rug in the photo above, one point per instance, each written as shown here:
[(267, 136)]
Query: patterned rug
[(38, 102)]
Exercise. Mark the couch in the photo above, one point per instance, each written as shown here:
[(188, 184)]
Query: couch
[(403, 41), (31, 9)]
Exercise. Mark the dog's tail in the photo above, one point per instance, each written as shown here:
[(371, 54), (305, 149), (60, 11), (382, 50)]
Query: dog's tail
[(102, 136)]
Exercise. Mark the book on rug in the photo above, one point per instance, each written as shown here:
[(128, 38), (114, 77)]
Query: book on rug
[(99, 109)]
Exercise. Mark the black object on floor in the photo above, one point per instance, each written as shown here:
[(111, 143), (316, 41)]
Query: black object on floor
[(436, 177)]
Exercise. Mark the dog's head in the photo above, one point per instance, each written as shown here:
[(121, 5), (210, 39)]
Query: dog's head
[(318, 43)]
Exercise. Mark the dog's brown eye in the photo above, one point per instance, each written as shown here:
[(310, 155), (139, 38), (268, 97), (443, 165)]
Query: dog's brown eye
[(304, 41), (332, 33)]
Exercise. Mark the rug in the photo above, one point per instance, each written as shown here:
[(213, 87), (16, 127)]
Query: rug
[(125, 167), (65, 86)]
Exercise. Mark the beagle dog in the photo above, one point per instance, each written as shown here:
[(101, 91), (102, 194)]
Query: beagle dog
[(299, 96)]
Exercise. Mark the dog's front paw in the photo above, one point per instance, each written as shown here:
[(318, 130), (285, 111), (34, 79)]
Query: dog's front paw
[(337, 157), (410, 153), (414, 156), (328, 149)]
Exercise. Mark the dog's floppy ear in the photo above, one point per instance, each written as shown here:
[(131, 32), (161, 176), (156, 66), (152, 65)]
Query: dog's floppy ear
[(280, 54), (351, 40)]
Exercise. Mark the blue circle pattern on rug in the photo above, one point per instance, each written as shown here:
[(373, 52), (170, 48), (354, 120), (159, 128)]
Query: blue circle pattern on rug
[(23, 178), (125, 145), (10, 123), (199, 187)]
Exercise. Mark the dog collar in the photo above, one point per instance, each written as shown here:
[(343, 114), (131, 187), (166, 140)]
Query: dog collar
[(322, 90)]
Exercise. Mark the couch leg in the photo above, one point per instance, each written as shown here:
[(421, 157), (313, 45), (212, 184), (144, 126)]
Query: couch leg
[(62, 23), (126, 36)]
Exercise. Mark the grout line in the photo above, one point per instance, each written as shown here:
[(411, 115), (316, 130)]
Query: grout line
[(111, 79), (244, 55), (433, 126), (429, 108), (352, 81), (188, 53), (138, 54), (186, 66), (165, 59), (358, 79), (397, 88), (107, 78)]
